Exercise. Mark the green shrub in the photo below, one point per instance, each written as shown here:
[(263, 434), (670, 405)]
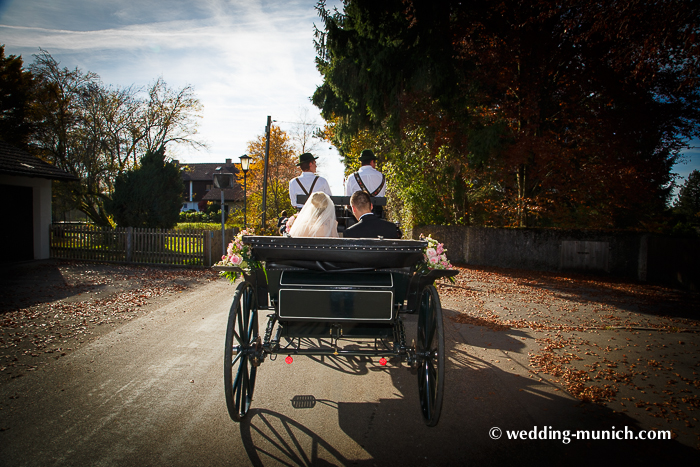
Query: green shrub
[(199, 217), (149, 196), (198, 226)]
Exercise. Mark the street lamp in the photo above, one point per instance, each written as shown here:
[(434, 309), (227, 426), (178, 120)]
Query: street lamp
[(245, 165), (222, 181)]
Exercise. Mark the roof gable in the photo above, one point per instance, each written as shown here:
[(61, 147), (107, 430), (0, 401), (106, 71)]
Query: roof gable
[(14, 161), (205, 171)]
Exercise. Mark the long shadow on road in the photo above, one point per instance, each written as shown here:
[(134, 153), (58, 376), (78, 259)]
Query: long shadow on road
[(620, 293), (480, 400)]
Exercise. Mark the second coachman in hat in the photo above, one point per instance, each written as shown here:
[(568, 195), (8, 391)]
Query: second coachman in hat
[(368, 178)]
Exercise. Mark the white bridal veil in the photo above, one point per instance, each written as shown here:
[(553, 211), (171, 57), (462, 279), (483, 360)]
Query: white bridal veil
[(316, 219)]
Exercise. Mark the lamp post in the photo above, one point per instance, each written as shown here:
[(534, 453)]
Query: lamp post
[(245, 165), (222, 181)]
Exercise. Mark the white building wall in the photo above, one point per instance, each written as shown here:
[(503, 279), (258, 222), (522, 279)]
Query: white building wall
[(41, 193)]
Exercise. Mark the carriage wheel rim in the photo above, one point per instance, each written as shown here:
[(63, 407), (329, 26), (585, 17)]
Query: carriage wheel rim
[(239, 371), (430, 355)]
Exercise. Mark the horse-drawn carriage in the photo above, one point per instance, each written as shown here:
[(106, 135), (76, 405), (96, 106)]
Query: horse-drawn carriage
[(326, 291)]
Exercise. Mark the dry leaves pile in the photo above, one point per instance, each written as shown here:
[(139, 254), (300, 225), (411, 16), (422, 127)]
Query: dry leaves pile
[(632, 347), (93, 299)]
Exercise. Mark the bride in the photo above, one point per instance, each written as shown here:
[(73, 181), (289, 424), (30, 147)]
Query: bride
[(316, 219)]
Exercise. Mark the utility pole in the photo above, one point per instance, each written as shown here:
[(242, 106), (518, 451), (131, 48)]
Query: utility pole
[(267, 160)]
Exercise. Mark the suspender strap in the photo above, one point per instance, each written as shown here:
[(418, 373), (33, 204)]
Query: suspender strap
[(311, 190), (312, 185), (379, 188), (364, 188), (302, 187), (360, 182)]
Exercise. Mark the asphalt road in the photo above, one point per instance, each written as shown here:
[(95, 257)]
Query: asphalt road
[(151, 393)]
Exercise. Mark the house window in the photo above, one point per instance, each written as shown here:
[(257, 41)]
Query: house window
[(209, 187)]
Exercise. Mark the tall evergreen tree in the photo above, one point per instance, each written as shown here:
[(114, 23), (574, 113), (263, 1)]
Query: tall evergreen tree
[(149, 196), (15, 101), (567, 123)]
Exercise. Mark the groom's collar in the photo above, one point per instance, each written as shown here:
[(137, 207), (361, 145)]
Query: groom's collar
[(366, 214)]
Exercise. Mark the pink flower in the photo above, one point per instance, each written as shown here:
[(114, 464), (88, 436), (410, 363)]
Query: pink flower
[(236, 260), (290, 222), (223, 258), (431, 253), (434, 259), (440, 248), (446, 264)]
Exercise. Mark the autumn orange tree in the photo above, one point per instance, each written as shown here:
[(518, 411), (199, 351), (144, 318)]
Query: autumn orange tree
[(550, 113), (281, 168)]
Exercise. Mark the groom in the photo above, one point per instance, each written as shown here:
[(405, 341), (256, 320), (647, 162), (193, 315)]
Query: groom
[(369, 225)]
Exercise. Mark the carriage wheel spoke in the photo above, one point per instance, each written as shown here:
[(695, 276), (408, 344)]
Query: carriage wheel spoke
[(428, 392), (236, 358), (249, 333), (241, 329), (237, 386), (251, 382), (429, 324), (245, 313), (237, 337), (244, 388), (431, 377)]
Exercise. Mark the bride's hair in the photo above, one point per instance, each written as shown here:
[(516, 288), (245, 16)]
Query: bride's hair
[(317, 218), (320, 200)]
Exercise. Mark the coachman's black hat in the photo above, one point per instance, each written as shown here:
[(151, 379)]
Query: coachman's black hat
[(306, 157), (367, 156)]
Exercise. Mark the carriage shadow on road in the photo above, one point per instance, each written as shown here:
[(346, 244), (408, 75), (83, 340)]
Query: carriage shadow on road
[(273, 438), (478, 396)]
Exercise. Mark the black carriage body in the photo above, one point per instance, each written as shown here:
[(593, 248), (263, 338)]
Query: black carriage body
[(330, 289), (311, 303), (318, 284)]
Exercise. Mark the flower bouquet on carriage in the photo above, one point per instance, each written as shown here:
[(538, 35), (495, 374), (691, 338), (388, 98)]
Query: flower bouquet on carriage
[(238, 255), (434, 257)]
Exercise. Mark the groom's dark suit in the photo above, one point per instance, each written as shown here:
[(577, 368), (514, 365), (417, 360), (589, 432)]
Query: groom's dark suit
[(371, 226)]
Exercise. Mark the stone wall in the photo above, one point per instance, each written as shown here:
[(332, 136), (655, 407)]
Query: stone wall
[(637, 256)]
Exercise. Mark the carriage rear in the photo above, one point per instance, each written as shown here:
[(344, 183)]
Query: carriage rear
[(329, 291)]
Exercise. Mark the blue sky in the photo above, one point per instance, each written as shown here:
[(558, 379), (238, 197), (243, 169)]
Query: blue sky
[(246, 59), (689, 162)]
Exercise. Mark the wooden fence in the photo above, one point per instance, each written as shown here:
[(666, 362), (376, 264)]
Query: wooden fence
[(147, 246)]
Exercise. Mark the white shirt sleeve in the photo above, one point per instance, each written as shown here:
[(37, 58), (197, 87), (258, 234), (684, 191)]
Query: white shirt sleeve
[(322, 185), (294, 190)]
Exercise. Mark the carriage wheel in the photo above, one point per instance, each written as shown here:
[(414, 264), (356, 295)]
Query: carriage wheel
[(241, 339), (430, 352)]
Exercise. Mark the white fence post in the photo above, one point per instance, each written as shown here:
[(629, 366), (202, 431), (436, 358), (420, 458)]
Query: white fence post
[(129, 243)]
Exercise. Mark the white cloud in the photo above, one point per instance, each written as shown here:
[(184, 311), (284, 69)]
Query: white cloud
[(245, 59)]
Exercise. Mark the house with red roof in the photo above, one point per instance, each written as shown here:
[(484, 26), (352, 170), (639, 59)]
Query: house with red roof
[(199, 185)]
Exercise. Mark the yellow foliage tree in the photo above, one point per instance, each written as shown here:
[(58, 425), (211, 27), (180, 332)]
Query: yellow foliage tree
[(281, 169)]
